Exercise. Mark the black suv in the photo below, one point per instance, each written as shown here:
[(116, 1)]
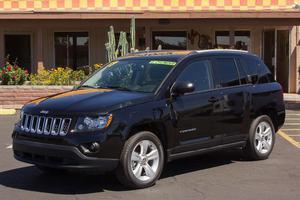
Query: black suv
[(145, 109)]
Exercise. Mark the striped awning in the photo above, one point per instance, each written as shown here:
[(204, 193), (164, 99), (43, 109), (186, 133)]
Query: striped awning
[(144, 5)]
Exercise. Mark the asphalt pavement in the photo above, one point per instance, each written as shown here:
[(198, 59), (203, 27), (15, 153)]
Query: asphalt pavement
[(223, 175)]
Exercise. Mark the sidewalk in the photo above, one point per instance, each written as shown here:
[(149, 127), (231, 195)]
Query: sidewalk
[(292, 101), (292, 97)]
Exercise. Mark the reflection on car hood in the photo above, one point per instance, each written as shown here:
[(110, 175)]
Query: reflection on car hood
[(89, 100)]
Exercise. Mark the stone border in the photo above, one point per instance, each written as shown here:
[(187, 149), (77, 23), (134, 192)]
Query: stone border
[(14, 97)]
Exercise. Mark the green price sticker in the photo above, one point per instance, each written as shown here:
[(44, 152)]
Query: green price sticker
[(162, 62)]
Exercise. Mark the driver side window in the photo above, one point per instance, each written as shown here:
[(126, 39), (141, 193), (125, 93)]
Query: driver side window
[(198, 73)]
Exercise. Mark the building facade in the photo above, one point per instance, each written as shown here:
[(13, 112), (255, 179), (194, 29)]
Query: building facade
[(50, 33)]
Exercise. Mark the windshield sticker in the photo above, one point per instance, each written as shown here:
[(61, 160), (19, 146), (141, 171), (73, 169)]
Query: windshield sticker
[(162, 62), (112, 63)]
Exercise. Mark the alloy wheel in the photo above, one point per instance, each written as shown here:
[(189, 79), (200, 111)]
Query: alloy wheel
[(145, 160), (263, 137)]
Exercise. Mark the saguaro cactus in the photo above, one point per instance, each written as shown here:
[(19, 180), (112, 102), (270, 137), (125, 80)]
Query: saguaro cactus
[(122, 47), (111, 45)]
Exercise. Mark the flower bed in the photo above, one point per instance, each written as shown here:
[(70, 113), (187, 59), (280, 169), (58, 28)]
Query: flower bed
[(17, 96)]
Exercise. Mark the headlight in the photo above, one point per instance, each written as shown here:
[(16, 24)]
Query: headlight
[(93, 123)]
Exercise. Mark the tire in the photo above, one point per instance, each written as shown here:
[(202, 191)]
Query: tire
[(134, 171), (49, 170), (260, 142)]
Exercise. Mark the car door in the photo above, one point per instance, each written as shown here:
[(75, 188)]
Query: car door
[(231, 93), (194, 111)]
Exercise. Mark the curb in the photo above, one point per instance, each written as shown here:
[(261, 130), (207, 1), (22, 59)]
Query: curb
[(7, 111), (292, 105)]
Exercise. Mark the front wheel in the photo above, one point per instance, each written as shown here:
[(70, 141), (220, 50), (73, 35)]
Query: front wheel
[(141, 161), (261, 138)]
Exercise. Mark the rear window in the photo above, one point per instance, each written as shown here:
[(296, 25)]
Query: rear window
[(254, 66), (225, 71)]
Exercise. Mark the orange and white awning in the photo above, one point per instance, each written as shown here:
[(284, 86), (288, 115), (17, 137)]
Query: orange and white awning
[(108, 7), (144, 5)]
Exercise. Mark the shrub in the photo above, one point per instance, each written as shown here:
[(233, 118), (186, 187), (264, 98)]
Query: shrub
[(13, 75), (57, 76), (89, 69)]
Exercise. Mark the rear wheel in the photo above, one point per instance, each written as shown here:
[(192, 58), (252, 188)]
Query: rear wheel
[(142, 161), (261, 138)]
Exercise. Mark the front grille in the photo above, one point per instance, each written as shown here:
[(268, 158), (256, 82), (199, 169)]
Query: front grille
[(45, 125)]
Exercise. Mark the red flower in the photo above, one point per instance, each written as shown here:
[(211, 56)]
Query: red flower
[(15, 67), (14, 77), (9, 68), (4, 71)]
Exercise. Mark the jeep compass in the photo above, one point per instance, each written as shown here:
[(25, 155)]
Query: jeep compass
[(145, 109)]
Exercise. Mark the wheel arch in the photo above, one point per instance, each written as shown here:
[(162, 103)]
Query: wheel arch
[(157, 128), (272, 113)]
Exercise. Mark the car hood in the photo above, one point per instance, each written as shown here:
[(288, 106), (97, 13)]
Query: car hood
[(88, 101)]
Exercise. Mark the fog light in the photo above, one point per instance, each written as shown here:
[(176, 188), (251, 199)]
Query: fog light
[(94, 147), (90, 147)]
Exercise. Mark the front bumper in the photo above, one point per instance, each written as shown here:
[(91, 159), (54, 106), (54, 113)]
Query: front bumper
[(59, 156)]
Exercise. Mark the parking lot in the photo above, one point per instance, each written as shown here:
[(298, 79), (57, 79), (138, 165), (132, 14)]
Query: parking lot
[(223, 175)]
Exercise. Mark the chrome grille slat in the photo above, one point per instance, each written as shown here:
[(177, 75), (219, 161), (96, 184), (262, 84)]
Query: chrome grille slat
[(45, 125), (48, 126), (28, 122), (65, 126), (33, 124), (56, 126)]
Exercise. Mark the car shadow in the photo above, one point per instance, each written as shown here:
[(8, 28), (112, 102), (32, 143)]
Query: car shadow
[(31, 179)]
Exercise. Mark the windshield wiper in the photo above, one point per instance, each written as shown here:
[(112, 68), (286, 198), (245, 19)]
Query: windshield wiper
[(116, 87), (87, 86)]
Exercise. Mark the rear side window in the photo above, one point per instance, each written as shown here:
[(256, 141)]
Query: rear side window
[(197, 72), (254, 66), (225, 72), (242, 72)]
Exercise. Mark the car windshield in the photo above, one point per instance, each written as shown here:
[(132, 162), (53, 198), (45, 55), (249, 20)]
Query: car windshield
[(140, 75)]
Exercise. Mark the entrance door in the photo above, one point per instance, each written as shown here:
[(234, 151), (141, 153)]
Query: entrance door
[(276, 55), (18, 48), (282, 59)]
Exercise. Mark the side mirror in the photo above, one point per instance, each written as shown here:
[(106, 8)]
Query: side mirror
[(180, 88), (252, 78)]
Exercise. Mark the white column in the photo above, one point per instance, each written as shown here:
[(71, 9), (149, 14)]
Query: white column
[(39, 51)]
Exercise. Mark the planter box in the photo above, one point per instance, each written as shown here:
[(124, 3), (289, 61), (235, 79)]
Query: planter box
[(17, 96)]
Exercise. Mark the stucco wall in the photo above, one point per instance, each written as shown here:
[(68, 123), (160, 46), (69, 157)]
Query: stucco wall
[(42, 32)]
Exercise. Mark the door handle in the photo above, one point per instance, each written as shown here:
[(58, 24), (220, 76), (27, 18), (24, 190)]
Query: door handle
[(213, 100)]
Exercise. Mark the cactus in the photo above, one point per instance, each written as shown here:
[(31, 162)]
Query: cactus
[(111, 45), (123, 46)]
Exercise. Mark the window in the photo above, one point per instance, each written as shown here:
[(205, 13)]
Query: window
[(173, 40), (225, 72), (252, 66), (223, 39), (242, 40), (18, 50), (140, 75), (71, 49), (256, 67), (199, 74), (242, 73)]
